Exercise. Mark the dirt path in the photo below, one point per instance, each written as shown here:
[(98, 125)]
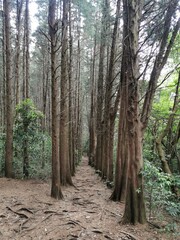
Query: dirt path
[(28, 212)]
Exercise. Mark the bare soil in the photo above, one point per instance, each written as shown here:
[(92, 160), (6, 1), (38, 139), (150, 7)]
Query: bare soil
[(28, 212)]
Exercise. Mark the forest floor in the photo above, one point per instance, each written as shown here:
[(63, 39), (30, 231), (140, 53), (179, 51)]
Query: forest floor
[(28, 212)]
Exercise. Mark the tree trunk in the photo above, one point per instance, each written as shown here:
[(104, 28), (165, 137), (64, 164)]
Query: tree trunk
[(71, 145), (17, 56), (27, 47), (122, 162), (9, 109), (135, 207), (128, 181), (65, 174), (26, 87), (55, 186), (77, 126), (4, 74), (45, 81), (108, 120), (99, 127), (92, 123), (25, 152)]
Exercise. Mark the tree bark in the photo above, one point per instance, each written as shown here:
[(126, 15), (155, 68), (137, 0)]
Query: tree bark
[(17, 56), (100, 92), (4, 74), (45, 82), (65, 174), (55, 185), (92, 122), (9, 106), (128, 181), (27, 47), (108, 132), (71, 137)]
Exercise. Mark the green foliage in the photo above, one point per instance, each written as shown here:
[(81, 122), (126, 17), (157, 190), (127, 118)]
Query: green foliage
[(164, 100), (175, 52), (27, 122), (28, 127), (158, 191), (162, 108), (27, 115), (40, 158), (172, 227)]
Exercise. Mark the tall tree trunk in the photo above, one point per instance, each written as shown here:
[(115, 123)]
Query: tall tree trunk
[(77, 96), (92, 123), (108, 132), (9, 109), (27, 46), (4, 74), (71, 144), (135, 206), (45, 81), (105, 117), (100, 92), (17, 56), (65, 175), (55, 186), (24, 68), (26, 87), (129, 182)]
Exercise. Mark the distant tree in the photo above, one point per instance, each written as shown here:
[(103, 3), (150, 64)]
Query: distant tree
[(92, 117), (19, 6), (3, 72), (9, 103), (26, 57), (100, 87)]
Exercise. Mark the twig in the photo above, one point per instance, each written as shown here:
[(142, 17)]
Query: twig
[(31, 228), (129, 234)]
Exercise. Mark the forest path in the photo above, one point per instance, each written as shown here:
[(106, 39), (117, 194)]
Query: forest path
[(28, 212)]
